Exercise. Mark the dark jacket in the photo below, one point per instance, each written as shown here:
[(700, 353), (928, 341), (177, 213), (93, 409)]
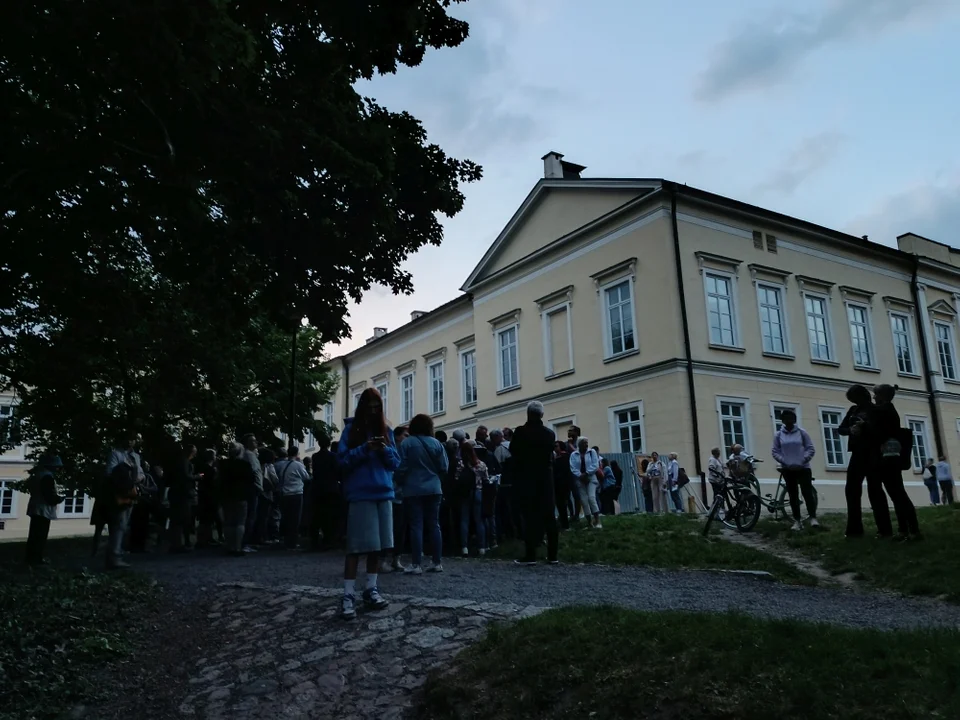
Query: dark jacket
[(883, 423), (326, 475), (857, 443), (532, 462), (237, 479), (183, 484)]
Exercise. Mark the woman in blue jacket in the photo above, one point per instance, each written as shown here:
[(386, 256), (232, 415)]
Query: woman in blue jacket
[(368, 458), (423, 462)]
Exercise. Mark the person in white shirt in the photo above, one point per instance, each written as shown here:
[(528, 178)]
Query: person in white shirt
[(716, 471), (291, 475), (671, 486), (584, 463)]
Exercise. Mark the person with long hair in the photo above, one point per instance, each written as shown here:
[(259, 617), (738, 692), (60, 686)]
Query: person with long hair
[(793, 449), (368, 458), (423, 465), (472, 479), (854, 427), (886, 453)]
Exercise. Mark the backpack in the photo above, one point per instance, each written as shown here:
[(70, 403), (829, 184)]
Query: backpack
[(466, 482), (682, 478), (905, 436)]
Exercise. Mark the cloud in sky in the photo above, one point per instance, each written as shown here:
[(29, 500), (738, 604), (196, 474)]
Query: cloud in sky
[(811, 155), (764, 52), (928, 209)]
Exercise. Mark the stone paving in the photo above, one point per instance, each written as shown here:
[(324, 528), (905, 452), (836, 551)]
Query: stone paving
[(291, 656)]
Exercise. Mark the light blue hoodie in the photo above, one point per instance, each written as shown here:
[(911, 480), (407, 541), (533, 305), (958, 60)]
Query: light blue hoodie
[(367, 475)]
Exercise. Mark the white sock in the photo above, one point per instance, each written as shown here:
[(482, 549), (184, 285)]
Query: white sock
[(371, 581), (349, 587)]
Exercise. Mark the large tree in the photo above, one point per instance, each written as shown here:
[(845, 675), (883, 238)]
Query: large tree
[(180, 177)]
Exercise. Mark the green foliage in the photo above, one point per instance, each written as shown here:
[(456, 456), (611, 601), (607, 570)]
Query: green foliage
[(608, 663), (922, 567), (57, 629), (182, 182), (663, 541)]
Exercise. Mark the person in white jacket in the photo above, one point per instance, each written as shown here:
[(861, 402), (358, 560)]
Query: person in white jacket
[(584, 464)]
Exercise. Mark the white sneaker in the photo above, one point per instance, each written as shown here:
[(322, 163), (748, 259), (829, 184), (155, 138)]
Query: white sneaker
[(248, 549), (599, 526), (494, 546), (413, 570), (483, 551), (385, 567), (814, 522), (797, 526), (438, 568), (397, 566), (348, 608), (465, 552)]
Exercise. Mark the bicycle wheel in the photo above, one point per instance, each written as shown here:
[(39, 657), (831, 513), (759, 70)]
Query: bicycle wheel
[(729, 514), (714, 509), (748, 511)]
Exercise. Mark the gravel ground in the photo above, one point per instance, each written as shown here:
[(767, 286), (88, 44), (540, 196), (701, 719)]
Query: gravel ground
[(195, 577)]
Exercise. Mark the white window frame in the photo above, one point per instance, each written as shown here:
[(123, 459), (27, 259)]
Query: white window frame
[(922, 420), (404, 416), (615, 426), (384, 389), (781, 290), (328, 414), (952, 347), (356, 401), (608, 353), (6, 486), (844, 452), (548, 371), (433, 407), (784, 405), (748, 442), (87, 507), (828, 326), (515, 326), (555, 423), (868, 330), (911, 345), (732, 278), (465, 401), (18, 452)]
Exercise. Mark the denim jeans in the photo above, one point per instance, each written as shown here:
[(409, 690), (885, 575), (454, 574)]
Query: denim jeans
[(677, 500), (934, 491), (472, 504), (424, 511), (250, 527)]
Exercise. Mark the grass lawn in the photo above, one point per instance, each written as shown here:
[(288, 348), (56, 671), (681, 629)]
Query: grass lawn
[(662, 541), (59, 629), (603, 663), (925, 567)]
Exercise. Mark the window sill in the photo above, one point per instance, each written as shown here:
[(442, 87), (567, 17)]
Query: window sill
[(469, 405), (438, 414), (726, 348), (836, 468), (866, 368), (779, 356), (508, 389), (952, 382), (620, 356), (828, 363), (909, 375), (560, 374)]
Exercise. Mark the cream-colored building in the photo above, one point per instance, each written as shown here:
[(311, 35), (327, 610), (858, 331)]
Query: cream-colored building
[(660, 317)]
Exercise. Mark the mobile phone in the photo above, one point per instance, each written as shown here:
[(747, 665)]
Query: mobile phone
[(380, 440)]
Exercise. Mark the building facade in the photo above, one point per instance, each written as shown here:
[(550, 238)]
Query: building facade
[(660, 317)]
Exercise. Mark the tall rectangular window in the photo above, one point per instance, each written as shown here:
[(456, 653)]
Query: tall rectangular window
[(773, 330), (733, 423), (948, 365), (508, 358), (406, 398), (832, 440), (435, 378), (720, 310), (818, 327), (919, 430), (557, 345), (9, 424), (74, 503), (328, 414), (468, 371), (629, 429), (619, 304), (859, 319), (778, 411), (900, 326), (7, 499), (384, 390)]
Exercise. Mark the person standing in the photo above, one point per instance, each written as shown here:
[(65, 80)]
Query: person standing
[(655, 472), (327, 498), (252, 457), (886, 450), (400, 525), (945, 480), (793, 449), (183, 497), (368, 457), (609, 489), (42, 507), (423, 464), (472, 479), (292, 476), (930, 481), (532, 457), (561, 483), (716, 472), (236, 480), (123, 473), (584, 464), (671, 486), (267, 501), (208, 510), (854, 427)]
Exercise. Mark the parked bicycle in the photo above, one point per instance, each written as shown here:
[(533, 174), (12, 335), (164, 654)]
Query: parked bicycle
[(776, 503), (736, 506)]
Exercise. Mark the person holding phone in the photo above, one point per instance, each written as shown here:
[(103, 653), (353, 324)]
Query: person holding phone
[(368, 458)]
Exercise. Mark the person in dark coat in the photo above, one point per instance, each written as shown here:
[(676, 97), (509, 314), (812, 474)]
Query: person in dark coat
[(42, 507), (183, 500), (532, 456), (236, 483), (561, 483), (884, 427), (855, 428), (326, 498)]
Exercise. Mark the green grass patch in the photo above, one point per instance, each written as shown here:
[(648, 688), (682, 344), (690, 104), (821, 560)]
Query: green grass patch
[(923, 567), (604, 663), (58, 631), (662, 541)]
